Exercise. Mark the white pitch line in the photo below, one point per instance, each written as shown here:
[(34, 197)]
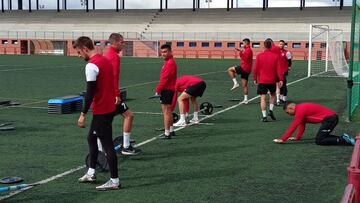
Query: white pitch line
[(44, 181), (140, 144)]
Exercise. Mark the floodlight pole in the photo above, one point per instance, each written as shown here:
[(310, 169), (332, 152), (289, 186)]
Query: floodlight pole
[(29, 6), (117, 5), (341, 4), (264, 7), (58, 5), (161, 3), (198, 4), (37, 4), (20, 5), (93, 4), (232, 3), (87, 5), (2, 6), (123, 4), (10, 4), (166, 4), (228, 5)]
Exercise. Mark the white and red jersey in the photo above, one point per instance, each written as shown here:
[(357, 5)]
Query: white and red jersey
[(113, 56), (267, 69), (99, 69), (167, 76), (285, 56), (246, 59)]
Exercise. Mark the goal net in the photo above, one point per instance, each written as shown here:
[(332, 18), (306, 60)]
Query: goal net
[(326, 52)]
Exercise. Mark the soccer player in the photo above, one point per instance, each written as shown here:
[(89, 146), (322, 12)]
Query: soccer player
[(100, 95), (244, 70), (166, 88), (285, 62), (267, 71), (314, 113), (117, 44), (190, 88)]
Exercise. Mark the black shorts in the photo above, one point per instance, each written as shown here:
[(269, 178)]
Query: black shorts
[(101, 125), (166, 96), (265, 88), (196, 90), (121, 108), (244, 75)]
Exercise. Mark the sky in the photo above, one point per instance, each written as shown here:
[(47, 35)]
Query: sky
[(155, 4)]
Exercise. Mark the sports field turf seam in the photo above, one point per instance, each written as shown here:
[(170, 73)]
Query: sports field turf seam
[(142, 143)]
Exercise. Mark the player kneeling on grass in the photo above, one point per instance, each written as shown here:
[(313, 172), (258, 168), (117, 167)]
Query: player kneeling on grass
[(314, 113), (100, 95), (244, 70), (190, 88)]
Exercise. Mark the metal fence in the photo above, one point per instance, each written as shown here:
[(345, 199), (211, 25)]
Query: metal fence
[(211, 36)]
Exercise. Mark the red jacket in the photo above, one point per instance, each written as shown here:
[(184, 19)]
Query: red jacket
[(276, 49), (104, 98), (246, 59), (113, 56), (267, 69), (182, 83), (167, 76), (306, 113), (284, 60)]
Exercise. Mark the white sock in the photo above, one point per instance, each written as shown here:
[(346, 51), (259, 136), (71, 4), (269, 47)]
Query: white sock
[(271, 107), (277, 97), (196, 115), (167, 132), (263, 113), (281, 97), (91, 171), (182, 117), (171, 128), (245, 97), (115, 180), (126, 141), (99, 145), (235, 81), (284, 98)]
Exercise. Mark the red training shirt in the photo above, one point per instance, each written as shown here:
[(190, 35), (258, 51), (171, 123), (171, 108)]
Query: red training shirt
[(267, 69), (167, 76), (284, 60), (246, 59), (182, 83), (113, 56), (306, 113), (99, 69)]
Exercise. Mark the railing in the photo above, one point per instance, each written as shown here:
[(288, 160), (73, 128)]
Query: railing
[(56, 35)]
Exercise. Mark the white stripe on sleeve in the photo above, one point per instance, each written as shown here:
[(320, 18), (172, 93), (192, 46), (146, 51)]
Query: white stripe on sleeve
[(91, 72)]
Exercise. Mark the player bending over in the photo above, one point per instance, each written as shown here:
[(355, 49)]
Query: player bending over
[(190, 87)]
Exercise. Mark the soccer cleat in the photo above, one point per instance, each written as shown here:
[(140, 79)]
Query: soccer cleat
[(163, 136), (172, 133), (264, 119), (109, 185), (180, 123), (194, 121), (130, 151), (271, 114), (245, 101), (348, 139), (235, 86), (87, 178), (277, 103)]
